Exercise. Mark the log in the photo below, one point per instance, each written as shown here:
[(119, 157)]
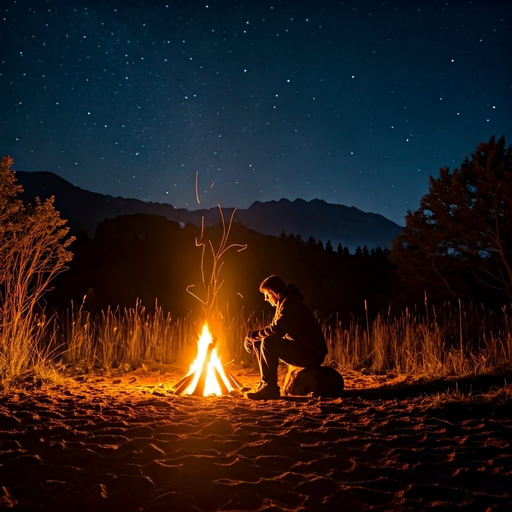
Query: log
[(201, 383), (223, 388), (234, 382), (183, 383)]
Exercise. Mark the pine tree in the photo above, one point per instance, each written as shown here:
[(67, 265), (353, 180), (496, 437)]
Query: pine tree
[(461, 235)]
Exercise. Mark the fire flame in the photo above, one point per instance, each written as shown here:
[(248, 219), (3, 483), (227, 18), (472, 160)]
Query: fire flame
[(207, 366)]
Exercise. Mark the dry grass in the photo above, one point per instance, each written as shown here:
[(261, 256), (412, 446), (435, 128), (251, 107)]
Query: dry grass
[(495, 397), (408, 344), (27, 347), (451, 343), (133, 337)]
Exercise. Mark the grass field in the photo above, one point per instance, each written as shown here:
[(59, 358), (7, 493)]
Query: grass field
[(450, 341)]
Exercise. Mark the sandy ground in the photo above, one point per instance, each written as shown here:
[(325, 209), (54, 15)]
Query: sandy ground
[(125, 443)]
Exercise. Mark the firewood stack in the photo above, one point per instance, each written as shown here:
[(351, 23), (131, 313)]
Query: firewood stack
[(200, 388)]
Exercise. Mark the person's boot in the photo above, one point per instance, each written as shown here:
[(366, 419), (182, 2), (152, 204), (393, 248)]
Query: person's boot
[(265, 392)]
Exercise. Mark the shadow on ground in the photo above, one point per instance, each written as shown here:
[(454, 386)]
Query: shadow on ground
[(470, 384)]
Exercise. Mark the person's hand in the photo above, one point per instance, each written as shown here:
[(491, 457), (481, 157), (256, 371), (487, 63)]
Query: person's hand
[(248, 345)]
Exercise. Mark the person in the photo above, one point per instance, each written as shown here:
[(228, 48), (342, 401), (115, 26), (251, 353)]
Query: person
[(294, 336)]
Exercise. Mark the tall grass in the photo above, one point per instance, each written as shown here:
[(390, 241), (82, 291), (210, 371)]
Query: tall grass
[(27, 346), (445, 342), (132, 337), (450, 341), (127, 337)]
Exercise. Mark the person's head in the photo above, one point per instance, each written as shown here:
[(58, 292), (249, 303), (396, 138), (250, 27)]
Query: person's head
[(273, 288)]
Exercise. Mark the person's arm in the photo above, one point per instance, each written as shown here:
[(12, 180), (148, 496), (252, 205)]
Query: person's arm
[(254, 335), (282, 323)]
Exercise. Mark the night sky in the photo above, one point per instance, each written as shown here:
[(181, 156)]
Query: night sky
[(354, 102)]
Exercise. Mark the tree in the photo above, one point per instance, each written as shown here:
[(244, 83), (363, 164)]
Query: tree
[(460, 238), (33, 251)]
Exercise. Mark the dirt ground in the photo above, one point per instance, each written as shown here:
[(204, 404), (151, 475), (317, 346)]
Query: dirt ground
[(126, 442)]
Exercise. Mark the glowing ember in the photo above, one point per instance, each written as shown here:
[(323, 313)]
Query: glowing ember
[(206, 375)]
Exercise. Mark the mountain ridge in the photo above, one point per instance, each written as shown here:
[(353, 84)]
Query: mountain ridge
[(341, 224)]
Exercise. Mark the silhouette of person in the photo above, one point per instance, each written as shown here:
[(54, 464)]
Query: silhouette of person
[(294, 336)]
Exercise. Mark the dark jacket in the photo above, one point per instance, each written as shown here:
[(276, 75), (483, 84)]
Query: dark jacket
[(295, 321)]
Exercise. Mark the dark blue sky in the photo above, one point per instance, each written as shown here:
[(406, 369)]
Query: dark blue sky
[(354, 102)]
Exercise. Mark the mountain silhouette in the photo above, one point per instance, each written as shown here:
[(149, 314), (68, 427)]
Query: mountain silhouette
[(323, 221)]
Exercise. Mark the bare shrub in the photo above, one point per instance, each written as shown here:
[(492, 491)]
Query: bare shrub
[(33, 251)]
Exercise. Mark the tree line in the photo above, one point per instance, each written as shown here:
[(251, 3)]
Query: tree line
[(151, 258)]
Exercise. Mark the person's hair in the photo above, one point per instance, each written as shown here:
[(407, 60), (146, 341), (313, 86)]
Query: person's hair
[(279, 287), (274, 284)]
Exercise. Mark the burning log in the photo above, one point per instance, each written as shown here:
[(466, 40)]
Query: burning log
[(200, 388), (218, 377), (207, 376), (183, 383), (235, 383)]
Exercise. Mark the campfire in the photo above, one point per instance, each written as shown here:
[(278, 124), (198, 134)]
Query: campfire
[(207, 376)]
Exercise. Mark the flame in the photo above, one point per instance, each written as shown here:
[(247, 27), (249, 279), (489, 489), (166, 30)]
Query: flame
[(214, 370)]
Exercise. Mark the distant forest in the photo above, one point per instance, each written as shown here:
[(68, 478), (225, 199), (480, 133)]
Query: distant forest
[(150, 258)]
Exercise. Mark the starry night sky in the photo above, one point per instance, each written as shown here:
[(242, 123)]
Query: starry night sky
[(354, 102)]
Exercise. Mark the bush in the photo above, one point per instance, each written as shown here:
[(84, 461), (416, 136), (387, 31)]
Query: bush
[(33, 251)]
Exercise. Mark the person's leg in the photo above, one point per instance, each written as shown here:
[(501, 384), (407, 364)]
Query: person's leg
[(268, 360), (268, 388), (273, 348), (256, 352), (268, 352)]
